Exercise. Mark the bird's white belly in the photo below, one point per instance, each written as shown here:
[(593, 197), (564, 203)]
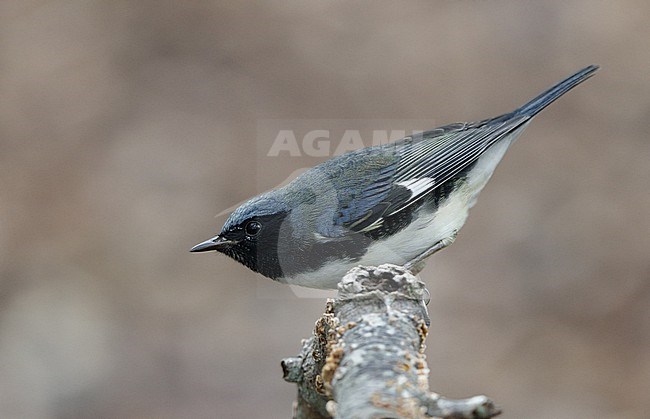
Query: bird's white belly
[(397, 249)]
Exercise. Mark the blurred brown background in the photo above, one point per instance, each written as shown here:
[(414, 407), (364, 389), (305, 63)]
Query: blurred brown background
[(126, 125)]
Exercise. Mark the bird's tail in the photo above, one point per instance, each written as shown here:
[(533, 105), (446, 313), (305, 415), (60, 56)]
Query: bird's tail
[(543, 100)]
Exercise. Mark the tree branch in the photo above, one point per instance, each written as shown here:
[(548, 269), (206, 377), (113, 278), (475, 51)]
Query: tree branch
[(366, 358)]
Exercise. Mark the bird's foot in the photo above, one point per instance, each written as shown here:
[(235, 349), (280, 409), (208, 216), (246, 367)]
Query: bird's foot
[(415, 268)]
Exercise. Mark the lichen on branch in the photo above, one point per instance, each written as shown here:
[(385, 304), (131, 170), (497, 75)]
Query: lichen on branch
[(366, 357)]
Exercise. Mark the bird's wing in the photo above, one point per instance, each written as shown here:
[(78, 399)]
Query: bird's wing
[(386, 180), (417, 166), (362, 181)]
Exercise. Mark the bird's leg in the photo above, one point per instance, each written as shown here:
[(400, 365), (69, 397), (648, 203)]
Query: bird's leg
[(416, 264)]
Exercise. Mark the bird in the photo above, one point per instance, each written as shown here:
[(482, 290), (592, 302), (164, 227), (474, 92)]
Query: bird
[(395, 203)]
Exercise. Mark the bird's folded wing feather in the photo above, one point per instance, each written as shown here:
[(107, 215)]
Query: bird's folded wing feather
[(383, 181)]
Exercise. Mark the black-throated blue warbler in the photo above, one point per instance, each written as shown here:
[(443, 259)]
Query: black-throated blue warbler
[(395, 203)]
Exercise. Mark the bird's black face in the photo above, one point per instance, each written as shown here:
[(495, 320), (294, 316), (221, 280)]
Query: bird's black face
[(252, 242)]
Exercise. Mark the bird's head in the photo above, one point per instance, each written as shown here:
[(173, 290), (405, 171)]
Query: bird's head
[(251, 234)]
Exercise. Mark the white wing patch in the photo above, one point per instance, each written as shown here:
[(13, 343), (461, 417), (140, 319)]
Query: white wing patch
[(418, 186)]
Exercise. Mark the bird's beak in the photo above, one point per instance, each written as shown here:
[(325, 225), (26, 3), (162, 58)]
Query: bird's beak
[(215, 243)]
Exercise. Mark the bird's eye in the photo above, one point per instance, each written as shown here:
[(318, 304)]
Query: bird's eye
[(252, 228)]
